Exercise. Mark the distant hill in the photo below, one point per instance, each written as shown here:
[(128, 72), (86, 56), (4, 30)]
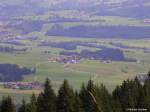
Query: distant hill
[(128, 8), (79, 18)]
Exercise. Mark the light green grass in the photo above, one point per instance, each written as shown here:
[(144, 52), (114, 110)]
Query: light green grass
[(109, 74)]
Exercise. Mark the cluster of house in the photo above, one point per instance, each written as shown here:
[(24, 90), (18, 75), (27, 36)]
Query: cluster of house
[(65, 59), (23, 85), (72, 59), (106, 61)]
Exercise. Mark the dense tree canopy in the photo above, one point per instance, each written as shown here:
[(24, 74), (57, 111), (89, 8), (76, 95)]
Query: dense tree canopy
[(46, 101), (131, 94), (7, 105)]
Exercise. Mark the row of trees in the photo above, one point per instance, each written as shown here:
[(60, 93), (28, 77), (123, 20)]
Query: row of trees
[(132, 94), (10, 49)]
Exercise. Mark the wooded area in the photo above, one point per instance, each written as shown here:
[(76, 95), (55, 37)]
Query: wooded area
[(131, 95)]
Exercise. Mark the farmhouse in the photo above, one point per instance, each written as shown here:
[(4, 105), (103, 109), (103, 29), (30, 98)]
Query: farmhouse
[(106, 61)]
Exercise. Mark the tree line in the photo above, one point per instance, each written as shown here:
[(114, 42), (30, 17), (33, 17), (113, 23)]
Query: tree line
[(11, 49), (13, 72), (131, 95), (98, 31)]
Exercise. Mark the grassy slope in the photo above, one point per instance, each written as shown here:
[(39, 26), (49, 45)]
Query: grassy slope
[(109, 74)]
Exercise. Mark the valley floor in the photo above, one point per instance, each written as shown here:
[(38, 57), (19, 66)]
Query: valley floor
[(111, 74)]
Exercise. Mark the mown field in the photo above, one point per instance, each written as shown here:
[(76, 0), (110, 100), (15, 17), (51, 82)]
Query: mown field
[(110, 74)]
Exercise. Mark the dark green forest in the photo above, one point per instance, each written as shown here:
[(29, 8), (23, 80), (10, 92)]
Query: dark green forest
[(131, 95), (13, 72)]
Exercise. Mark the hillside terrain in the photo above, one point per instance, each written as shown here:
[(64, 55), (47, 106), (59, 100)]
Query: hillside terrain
[(107, 41), (79, 18)]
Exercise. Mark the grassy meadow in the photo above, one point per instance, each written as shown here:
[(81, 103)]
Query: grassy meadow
[(110, 74)]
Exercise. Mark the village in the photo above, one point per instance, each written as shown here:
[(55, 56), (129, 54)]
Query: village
[(65, 59), (23, 85)]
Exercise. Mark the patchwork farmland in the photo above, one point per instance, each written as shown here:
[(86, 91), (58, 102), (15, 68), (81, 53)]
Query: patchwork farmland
[(77, 73)]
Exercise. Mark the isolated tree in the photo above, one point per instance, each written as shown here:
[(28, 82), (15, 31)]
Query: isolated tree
[(78, 106), (117, 107), (104, 99), (46, 101), (23, 107), (7, 105), (66, 98), (146, 90), (88, 98), (32, 106)]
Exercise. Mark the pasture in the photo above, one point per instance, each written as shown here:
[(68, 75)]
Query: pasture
[(110, 74)]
